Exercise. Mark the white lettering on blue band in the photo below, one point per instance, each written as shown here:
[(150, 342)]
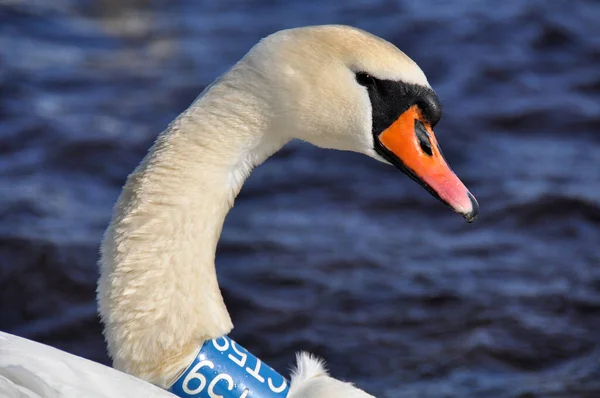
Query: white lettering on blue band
[(224, 369)]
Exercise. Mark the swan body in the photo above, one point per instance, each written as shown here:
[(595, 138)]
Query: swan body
[(32, 370), (333, 86)]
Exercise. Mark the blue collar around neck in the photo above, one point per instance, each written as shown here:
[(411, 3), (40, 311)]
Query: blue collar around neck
[(224, 369)]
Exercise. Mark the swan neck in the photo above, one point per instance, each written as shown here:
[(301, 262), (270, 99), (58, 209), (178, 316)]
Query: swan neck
[(158, 293)]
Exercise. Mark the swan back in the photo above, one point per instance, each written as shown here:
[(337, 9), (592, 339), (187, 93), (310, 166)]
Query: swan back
[(33, 370)]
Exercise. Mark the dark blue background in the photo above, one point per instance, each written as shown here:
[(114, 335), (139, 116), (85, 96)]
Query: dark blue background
[(327, 251)]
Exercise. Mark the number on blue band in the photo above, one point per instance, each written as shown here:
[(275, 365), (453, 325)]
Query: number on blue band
[(224, 369)]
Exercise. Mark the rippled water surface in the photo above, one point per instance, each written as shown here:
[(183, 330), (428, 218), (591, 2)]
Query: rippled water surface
[(347, 258)]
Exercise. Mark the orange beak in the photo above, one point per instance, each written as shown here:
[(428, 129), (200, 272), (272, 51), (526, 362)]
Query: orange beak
[(409, 144)]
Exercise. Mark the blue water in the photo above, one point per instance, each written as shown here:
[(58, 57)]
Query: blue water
[(347, 258)]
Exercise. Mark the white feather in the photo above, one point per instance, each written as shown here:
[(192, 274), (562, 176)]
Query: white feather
[(307, 366), (310, 379)]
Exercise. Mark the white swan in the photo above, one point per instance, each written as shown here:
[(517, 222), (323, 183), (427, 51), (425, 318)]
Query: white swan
[(333, 86)]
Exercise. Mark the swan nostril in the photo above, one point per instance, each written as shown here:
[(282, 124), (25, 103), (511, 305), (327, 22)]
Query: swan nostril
[(423, 138)]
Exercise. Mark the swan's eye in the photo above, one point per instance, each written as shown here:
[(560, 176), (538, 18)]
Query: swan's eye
[(423, 138), (364, 79)]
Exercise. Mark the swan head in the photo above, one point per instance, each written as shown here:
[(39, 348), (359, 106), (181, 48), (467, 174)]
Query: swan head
[(342, 88)]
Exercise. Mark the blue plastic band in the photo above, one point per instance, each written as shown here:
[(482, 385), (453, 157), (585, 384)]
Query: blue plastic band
[(224, 369)]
